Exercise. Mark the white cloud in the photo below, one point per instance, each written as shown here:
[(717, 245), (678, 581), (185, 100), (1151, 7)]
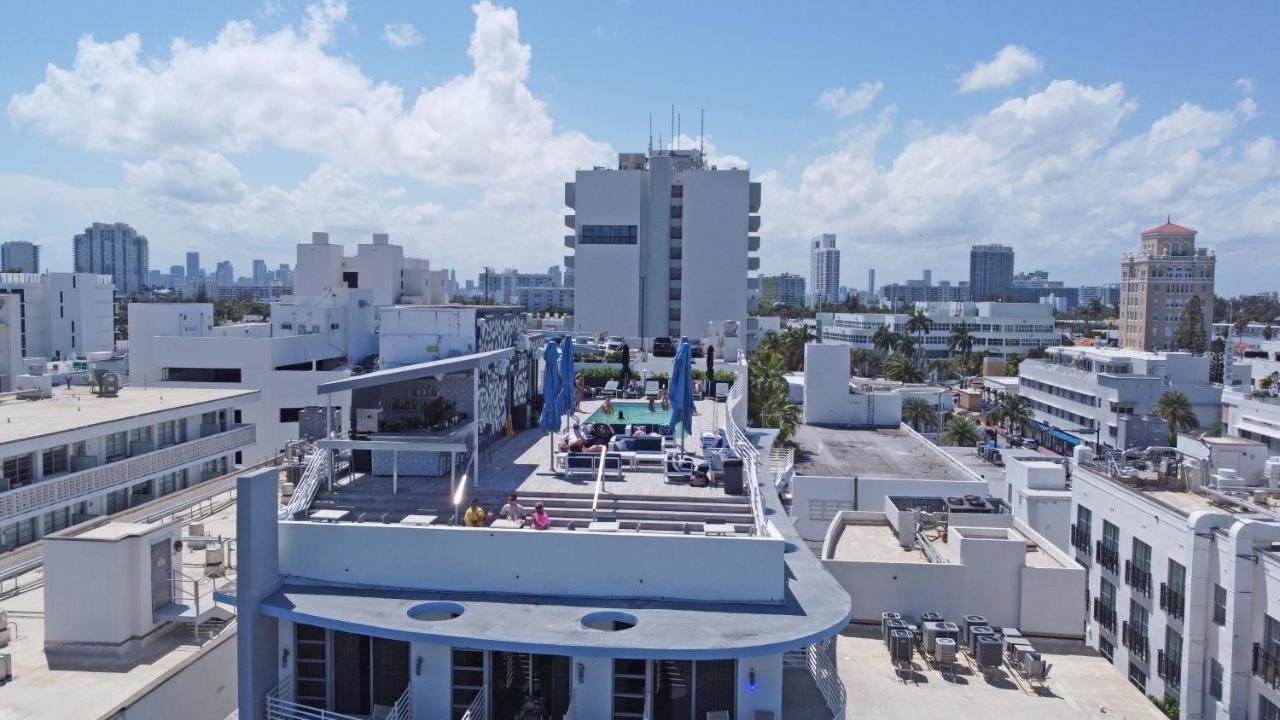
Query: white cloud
[(401, 35), (1011, 64), (479, 143), (1049, 173), (845, 103)]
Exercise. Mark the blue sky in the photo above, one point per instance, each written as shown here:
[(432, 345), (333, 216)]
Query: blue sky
[(1090, 123)]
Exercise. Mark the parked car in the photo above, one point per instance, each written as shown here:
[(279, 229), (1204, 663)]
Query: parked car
[(1030, 444), (663, 347)]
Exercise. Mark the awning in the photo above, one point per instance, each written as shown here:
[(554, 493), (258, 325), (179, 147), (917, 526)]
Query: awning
[(1039, 425), (1064, 436), (434, 368)]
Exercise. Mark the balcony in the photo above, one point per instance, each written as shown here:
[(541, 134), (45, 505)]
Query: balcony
[(753, 223), (571, 241), (1137, 578), (753, 243), (102, 478), (1169, 669), (1109, 559), (677, 211), (753, 263), (1172, 601), (281, 705), (753, 197), (1080, 539), (571, 221), (676, 232), (570, 194), (1135, 641), (677, 253), (568, 261), (677, 191), (1266, 666), (1105, 616)]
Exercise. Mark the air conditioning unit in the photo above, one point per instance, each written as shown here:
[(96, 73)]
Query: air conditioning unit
[(6, 667), (196, 530), (944, 651), (215, 556)]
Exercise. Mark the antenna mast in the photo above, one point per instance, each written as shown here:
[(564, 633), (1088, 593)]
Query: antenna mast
[(702, 127), (650, 133), (671, 137), (678, 130)]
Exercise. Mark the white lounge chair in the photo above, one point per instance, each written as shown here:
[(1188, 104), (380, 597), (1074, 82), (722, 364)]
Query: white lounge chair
[(610, 389), (651, 388)]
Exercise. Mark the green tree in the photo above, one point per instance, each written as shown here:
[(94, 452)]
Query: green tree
[(901, 368), (1268, 332), (858, 360), (920, 414), (768, 396), (1015, 412), (961, 339), (1176, 410), (1217, 360), (884, 339), (1191, 334), (959, 431), (1011, 363)]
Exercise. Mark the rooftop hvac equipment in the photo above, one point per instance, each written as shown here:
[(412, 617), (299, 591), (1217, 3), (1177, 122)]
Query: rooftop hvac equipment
[(36, 365), (1272, 470), (885, 617), (977, 632), (988, 653), (900, 649), (926, 617), (108, 384), (196, 531), (949, 631), (5, 636), (929, 633), (895, 625), (311, 422), (944, 651), (968, 622)]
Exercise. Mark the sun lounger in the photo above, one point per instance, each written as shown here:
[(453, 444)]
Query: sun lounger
[(580, 465), (648, 449), (677, 469), (610, 389), (651, 388)]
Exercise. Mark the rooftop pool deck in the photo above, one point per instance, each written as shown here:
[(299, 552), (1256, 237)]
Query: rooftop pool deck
[(641, 499), (630, 412)]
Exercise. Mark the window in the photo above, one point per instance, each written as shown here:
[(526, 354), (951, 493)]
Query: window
[(1169, 663), (1172, 593), (607, 235), (53, 461), (1271, 636), (56, 520), (140, 435), (214, 375), (1135, 630), (17, 470), (1108, 551), (1138, 676), (1267, 710), (289, 414), (1082, 533), (1107, 649), (1138, 570), (1215, 679), (117, 445), (1219, 605), (166, 433)]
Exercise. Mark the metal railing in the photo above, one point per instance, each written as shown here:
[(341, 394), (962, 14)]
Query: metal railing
[(1266, 666), (1172, 601), (814, 660), (479, 708), (595, 496), (1106, 616), (1169, 668), (1108, 558), (403, 709), (782, 464), (1135, 640), (312, 475), (745, 449), (280, 705), (1137, 578), (1080, 539), (65, 488)]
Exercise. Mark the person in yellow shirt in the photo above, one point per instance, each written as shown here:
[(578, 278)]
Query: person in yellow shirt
[(474, 516)]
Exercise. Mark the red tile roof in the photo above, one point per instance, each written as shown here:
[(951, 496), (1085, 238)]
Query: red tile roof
[(1169, 228)]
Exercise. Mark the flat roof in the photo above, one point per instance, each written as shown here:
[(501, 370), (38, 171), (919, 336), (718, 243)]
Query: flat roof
[(81, 686), (417, 370), (885, 453), (1081, 683), (78, 408), (878, 542)]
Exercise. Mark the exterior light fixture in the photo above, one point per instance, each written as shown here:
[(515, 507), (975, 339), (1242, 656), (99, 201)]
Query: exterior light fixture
[(284, 657), (582, 673), (417, 666), (751, 680)]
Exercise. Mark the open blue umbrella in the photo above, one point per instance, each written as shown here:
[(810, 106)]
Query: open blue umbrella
[(680, 390), (568, 385), (549, 420)]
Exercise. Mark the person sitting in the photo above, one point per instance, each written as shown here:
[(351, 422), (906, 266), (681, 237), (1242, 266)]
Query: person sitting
[(607, 407), (601, 433), (638, 431), (540, 519), (662, 398), (573, 440), (514, 511), (475, 515)]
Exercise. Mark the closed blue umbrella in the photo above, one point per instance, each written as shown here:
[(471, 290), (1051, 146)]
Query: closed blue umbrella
[(680, 390), (549, 420), (568, 388)]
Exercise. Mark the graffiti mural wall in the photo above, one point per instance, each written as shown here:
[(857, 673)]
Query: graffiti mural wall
[(503, 393)]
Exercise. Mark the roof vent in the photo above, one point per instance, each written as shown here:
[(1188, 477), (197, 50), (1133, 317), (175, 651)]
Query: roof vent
[(381, 239), (320, 238)]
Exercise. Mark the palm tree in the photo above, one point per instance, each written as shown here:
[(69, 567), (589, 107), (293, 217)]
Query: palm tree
[(884, 339), (858, 359), (906, 345), (1240, 325), (1015, 411), (901, 368), (961, 339), (919, 324), (941, 368), (1011, 363), (961, 431), (920, 414), (1176, 410), (793, 341)]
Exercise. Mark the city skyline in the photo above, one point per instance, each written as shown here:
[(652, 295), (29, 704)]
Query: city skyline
[(900, 155)]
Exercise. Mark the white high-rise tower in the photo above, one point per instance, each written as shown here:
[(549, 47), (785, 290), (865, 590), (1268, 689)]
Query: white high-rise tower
[(824, 271)]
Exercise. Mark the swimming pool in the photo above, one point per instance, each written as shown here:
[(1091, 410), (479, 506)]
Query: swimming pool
[(632, 413)]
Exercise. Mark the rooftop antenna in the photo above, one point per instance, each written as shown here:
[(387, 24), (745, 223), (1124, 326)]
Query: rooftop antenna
[(702, 126), (650, 133), (671, 137), (678, 130)]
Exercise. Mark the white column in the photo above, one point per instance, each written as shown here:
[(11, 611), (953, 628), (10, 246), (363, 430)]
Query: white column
[(475, 427), (395, 472)]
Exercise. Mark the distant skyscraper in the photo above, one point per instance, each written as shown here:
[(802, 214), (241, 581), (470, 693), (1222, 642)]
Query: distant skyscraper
[(990, 271), (556, 278), (116, 250), (927, 276), (225, 274), (260, 277), (824, 271), (193, 265), (871, 282), (1151, 304), (20, 256), (783, 289), (284, 274), (177, 272)]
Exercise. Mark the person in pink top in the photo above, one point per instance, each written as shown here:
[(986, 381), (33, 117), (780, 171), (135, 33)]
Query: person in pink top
[(540, 519)]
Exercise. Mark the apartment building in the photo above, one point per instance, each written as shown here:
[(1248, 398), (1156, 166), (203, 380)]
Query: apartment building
[(506, 287), (782, 289), (62, 315), (1158, 281), (78, 455), (19, 256), (1082, 395), (997, 328), (113, 249), (824, 271), (990, 271), (662, 244), (1183, 596), (541, 298), (899, 295), (1253, 417)]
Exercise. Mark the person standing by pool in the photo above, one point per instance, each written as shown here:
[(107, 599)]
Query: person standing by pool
[(579, 386), (662, 398)]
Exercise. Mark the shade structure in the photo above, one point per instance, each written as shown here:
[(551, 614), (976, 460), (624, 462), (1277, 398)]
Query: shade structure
[(568, 385), (680, 389), (549, 420)]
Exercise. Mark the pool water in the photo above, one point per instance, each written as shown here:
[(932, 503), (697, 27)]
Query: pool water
[(632, 413)]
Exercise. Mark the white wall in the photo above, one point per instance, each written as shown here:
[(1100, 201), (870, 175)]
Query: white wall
[(714, 264), (203, 686), (866, 493), (607, 277), (518, 561)]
